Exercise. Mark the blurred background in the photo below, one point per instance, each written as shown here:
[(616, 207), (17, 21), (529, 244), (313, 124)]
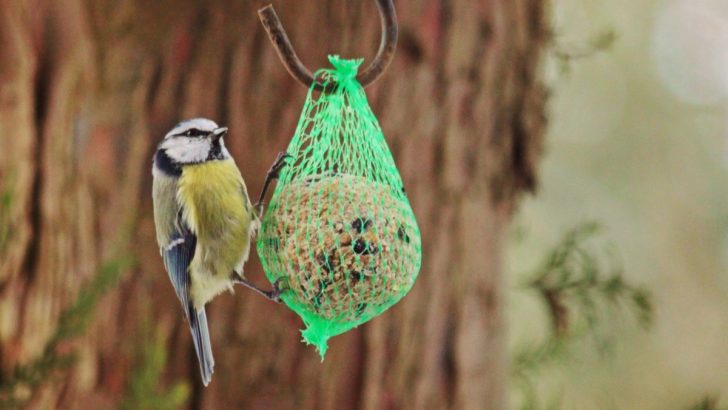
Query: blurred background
[(637, 143), (564, 159)]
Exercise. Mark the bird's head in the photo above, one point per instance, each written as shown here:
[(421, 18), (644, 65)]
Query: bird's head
[(194, 141)]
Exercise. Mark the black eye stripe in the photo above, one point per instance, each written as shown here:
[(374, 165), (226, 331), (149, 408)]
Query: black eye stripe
[(192, 132)]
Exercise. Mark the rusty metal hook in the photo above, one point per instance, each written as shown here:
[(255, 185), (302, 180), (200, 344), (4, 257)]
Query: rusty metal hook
[(295, 67)]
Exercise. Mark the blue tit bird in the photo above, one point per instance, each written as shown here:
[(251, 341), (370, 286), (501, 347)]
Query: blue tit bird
[(204, 222)]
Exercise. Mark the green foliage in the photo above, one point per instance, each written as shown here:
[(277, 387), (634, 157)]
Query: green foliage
[(529, 362), (532, 358), (75, 319), (707, 403), (19, 388), (576, 284), (566, 54), (144, 391), (579, 286), (7, 200)]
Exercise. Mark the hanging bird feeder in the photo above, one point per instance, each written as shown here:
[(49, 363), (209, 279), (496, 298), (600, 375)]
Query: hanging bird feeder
[(339, 235)]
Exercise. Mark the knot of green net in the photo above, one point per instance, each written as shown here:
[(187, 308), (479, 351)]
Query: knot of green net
[(344, 72)]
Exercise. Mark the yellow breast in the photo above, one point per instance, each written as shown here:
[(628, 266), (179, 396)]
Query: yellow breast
[(217, 209), (212, 193)]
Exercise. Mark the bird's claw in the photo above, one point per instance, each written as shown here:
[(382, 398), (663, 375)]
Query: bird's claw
[(278, 164), (273, 174), (275, 294)]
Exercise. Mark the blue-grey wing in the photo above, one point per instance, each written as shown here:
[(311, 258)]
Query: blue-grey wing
[(178, 255)]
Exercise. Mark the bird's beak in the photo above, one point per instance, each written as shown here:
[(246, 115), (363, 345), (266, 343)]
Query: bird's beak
[(219, 133)]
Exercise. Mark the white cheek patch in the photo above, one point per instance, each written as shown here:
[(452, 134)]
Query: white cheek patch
[(187, 150)]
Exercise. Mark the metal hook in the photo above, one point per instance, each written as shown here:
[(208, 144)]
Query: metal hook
[(295, 67)]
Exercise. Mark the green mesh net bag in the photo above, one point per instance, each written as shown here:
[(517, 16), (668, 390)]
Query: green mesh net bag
[(339, 235)]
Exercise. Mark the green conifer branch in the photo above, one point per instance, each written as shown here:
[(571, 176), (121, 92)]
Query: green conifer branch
[(7, 200), (566, 54), (577, 283), (708, 403), (19, 388), (144, 391)]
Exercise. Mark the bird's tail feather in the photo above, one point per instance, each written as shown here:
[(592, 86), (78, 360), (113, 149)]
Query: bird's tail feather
[(201, 339)]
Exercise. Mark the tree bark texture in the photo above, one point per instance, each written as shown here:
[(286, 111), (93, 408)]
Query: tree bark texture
[(87, 89)]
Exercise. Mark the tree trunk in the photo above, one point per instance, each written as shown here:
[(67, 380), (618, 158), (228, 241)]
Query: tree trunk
[(87, 88)]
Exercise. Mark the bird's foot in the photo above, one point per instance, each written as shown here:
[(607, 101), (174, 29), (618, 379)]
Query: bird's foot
[(273, 295)]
